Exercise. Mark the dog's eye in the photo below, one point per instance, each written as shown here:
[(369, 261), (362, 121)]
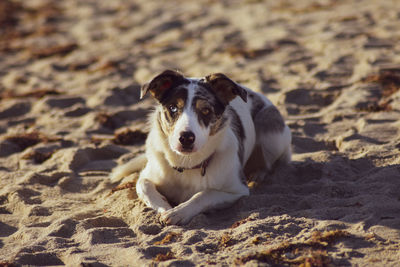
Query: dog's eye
[(173, 108), (205, 111)]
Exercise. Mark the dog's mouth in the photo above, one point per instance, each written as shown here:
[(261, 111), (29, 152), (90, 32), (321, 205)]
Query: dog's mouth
[(186, 150)]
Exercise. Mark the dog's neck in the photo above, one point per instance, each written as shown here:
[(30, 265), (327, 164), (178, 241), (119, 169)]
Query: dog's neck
[(203, 166)]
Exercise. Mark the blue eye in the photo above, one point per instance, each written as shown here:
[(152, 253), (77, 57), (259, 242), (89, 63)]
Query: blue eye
[(173, 108)]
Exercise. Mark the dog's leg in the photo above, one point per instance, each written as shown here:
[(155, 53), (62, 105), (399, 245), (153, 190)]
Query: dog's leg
[(200, 202), (275, 146), (148, 193), (273, 138)]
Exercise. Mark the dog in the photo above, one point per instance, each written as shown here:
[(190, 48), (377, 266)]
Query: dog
[(203, 131)]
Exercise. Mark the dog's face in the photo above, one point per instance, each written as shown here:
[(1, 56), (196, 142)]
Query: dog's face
[(192, 110)]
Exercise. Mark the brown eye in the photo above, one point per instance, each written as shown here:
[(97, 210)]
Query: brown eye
[(205, 111)]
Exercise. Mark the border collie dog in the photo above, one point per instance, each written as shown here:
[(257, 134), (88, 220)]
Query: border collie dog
[(205, 135)]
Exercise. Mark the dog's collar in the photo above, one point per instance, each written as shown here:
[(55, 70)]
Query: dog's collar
[(202, 165)]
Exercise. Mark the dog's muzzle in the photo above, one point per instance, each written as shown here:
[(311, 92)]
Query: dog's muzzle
[(187, 141)]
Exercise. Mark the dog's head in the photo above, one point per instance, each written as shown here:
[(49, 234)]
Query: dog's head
[(192, 109)]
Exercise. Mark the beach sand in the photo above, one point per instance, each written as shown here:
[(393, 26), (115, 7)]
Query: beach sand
[(70, 74)]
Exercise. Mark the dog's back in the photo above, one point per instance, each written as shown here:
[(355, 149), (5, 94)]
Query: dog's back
[(263, 123), (203, 132)]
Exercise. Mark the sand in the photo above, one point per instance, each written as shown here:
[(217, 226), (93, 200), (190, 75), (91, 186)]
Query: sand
[(70, 73)]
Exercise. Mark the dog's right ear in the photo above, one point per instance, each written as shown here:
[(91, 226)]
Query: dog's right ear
[(161, 84)]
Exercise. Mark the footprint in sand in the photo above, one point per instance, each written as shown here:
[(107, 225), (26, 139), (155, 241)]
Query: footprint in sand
[(77, 111), (26, 195), (96, 159), (38, 259), (339, 71), (15, 109), (152, 251), (150, 229), (307, 100), (306, 145), (103, 221), (105, 235), (6, 230), (42, 179), (39, 211), (104, 230), (64, 228), (123, 96), (195, 237), (121, 118), (7, 148), (64, 102)]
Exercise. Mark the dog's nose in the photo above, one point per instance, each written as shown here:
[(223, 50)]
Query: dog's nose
[(187, 139)]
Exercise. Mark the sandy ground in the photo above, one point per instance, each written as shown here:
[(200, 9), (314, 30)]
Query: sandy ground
[(70, 73)]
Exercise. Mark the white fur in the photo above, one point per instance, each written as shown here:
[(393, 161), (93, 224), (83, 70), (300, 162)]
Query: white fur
[(159, 184)]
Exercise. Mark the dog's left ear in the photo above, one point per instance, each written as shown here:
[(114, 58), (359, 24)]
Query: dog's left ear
[(161, 84), (225, 89)]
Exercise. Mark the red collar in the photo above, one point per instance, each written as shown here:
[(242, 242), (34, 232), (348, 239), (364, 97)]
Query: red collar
[(202, 165)]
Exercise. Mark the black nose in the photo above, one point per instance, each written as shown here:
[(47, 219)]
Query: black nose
[(187, 139)]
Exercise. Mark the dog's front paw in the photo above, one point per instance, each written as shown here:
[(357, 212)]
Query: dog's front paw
[(177, 215)]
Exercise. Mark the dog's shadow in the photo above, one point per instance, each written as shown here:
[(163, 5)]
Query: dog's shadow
[(343, 190)]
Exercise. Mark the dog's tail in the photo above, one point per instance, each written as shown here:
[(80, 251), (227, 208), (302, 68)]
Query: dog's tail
[(134, 165)]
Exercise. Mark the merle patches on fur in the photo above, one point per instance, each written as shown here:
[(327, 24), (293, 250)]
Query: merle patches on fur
[(161, 85), (205, 135), (205, 103), (238, 130)]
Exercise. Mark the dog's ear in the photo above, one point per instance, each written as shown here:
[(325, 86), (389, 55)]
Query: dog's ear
[(161, 84), (224, 88)]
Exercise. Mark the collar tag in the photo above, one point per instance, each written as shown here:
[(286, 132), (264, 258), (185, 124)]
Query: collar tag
[(203, 169), (179, 169), (202, 166)]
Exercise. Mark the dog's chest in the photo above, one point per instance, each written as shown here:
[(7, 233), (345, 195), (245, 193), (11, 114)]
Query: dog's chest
[(180, 187)]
